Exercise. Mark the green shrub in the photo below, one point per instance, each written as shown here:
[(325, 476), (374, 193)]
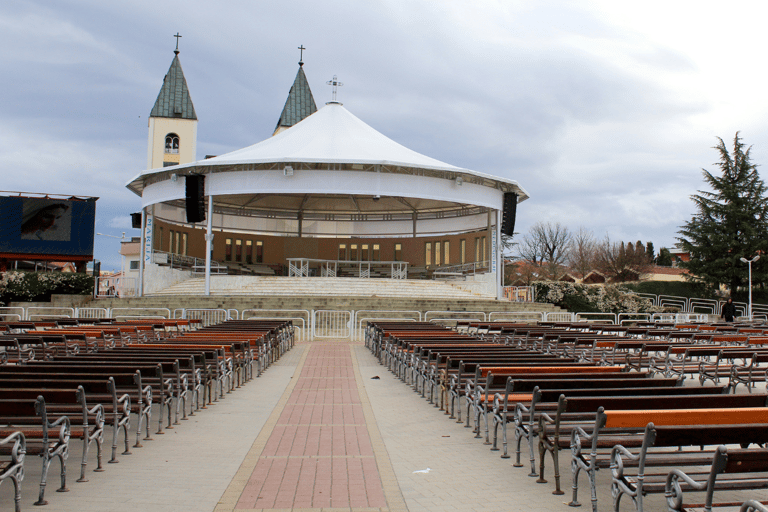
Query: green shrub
[(18, 286)]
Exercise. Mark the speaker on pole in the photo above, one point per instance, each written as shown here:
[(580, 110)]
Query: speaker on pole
[(195, 198), (136, 220), (508, 214)]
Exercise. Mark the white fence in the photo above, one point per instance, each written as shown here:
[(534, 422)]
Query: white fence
[(12, 314), (206, 316), (331, 324), (295, 315), (365, 316)]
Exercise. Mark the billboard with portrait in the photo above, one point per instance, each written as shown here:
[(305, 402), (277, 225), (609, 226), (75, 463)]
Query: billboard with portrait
[(47, 226)]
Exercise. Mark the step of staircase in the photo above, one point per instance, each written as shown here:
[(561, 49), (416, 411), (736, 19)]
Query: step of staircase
[(230, 286)]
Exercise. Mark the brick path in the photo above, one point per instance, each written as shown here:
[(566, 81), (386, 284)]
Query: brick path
[(319, 454)]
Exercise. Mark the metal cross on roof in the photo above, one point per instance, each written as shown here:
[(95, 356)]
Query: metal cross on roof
[(301, 55), (177, 36), (336, 84)]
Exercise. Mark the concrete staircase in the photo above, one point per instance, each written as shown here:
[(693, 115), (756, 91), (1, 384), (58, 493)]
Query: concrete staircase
[(283, 293), (233, 286)]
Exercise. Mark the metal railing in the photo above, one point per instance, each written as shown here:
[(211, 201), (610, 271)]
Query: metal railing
[(206, 316), (12, 314), (475, 267), (40, 312), (301, 267), (497, 316), (138, 313), (362, 315), (331, 324), (295, 315)]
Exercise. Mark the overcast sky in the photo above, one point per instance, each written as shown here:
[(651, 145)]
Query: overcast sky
[(604, 113)]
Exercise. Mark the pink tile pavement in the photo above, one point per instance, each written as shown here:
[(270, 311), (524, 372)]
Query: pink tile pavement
[(319, 454)]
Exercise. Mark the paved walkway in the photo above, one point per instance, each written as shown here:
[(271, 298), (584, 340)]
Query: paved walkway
[(316, 432)]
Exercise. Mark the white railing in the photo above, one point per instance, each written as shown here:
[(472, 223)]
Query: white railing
[(596, 317), (331, 324), (39, 312), (300, 267), (450, 318), (295, 315), (139, 313), (633, 317), (381, 316), (206, 316), (182, 262), (519, 293), (10, 314), (559, 316), (91, 313), (498, 316), (476, 267)]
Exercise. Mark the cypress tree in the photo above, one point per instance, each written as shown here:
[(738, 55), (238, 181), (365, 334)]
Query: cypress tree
[(731, 222)]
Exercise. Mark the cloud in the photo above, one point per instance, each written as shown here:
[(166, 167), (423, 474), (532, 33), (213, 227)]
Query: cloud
[(605, 113)]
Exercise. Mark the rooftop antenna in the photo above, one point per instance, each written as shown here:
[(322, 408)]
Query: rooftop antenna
[(301, 55), (177, 36), (336, 84)]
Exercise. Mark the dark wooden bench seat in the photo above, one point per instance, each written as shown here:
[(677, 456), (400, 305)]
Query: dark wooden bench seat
[(525, 407), (662, 445), (617, 425)]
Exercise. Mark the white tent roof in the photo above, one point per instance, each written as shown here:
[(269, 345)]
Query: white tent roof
[(330, 135)]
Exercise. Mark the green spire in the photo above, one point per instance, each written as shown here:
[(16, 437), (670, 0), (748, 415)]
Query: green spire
[(300, 103), (173, 100)]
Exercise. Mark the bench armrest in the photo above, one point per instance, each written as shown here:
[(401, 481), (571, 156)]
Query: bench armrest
[(19, 450), (673, 488)]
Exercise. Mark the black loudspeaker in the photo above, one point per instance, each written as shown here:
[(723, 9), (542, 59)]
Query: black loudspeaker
[(508, 214), (136, 220), (195, 198)]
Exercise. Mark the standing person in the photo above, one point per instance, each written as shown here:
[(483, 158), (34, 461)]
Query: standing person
[(729, 310)]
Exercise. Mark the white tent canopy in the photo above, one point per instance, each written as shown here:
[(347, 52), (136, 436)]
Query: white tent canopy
[(330, 175), (332, 138)]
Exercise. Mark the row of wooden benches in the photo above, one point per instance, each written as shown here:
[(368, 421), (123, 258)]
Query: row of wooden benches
[(567, 403), (106, 388)]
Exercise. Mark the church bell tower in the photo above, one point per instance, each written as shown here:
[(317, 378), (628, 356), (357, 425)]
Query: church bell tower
[(172, 122)]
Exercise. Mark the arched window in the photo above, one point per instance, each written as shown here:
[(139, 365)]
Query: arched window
[(172, 143)]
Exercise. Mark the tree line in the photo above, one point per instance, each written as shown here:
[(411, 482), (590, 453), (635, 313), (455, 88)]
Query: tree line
[(729, 226), (551, 250)]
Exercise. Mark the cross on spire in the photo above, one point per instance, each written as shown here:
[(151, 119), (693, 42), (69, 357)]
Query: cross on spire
[(301, 55), (336, 84), (177, 36)]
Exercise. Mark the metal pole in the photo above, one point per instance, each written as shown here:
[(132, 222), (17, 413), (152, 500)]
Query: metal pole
[(208, 244), (750, 290), (749, 263), (122, 266), (142, 252)]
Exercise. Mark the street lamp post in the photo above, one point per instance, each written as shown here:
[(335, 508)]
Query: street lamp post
[(122, 261), (750, 262)]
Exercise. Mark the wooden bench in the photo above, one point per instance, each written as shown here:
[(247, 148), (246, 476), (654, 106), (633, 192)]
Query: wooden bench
[(688, 424), (525, 411), (661, 446)]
